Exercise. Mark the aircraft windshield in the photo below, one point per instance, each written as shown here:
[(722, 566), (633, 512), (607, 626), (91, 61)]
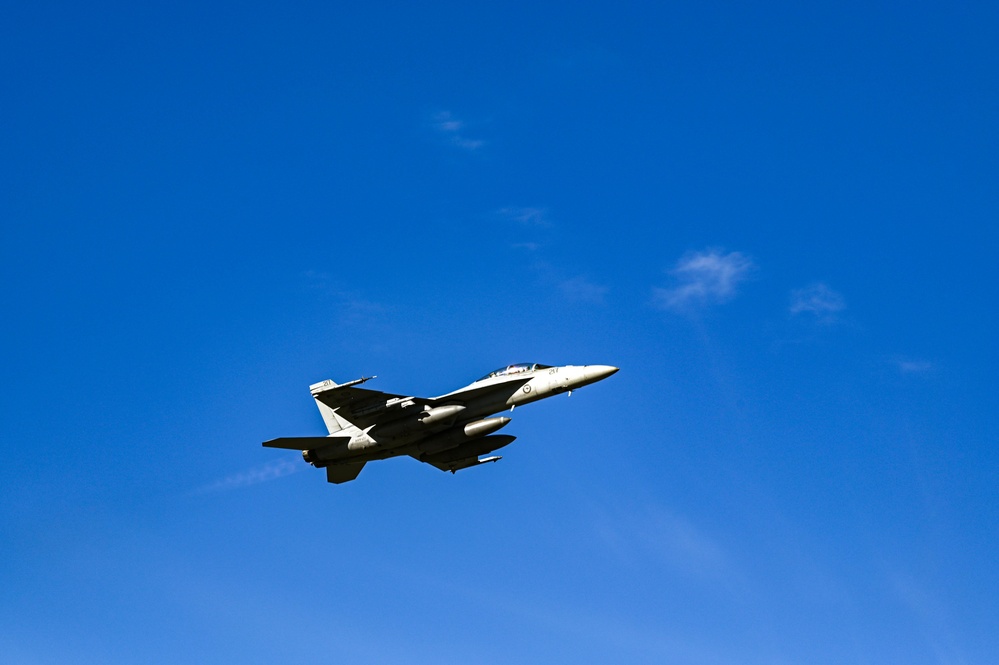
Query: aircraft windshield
[(514, 369)]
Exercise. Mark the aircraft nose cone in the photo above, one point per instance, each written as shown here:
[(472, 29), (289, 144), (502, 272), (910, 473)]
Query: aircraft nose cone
[(597, 372)]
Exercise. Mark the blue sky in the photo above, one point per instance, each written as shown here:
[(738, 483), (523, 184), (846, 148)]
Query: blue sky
[(778, 219)]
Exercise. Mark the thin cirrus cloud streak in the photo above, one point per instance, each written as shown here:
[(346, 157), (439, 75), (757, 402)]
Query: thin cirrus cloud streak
[(351, 309), (526, 216), (581, 625), (531, 219), (642, 534), (930, 612), (453, 131), (907, 366), (817, 300), (580, 289), (704, 278), (254, 476)]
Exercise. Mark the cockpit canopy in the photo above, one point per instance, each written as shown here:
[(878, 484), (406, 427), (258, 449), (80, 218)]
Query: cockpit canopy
[(514, 369)]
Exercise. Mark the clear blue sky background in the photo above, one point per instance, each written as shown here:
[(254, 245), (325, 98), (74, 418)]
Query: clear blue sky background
[(779, 219)]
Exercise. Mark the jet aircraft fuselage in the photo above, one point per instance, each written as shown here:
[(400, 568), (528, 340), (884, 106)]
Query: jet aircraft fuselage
[(449, 432)]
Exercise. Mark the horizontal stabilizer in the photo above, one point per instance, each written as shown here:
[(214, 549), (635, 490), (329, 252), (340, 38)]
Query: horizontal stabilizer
[(342, 473), (304, 442)]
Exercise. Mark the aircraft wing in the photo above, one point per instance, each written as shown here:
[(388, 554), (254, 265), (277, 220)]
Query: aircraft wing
[(363, 407), (360, 406), (467, 454), (465, 463)]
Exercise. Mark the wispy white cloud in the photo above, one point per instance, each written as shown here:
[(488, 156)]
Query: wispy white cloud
[(454, 131), (933, 615), (580, 289), (643, 530), (527, 216), (607, 631), (680, 542), (817, 300), (254, 476), (535, 221), (704, 278), (350, 308), (532, 220), (909, 366)]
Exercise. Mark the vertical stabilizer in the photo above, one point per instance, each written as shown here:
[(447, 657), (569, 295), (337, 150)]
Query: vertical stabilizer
[(334, 422)]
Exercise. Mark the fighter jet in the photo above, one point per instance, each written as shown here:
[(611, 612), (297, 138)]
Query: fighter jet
[(449, 432)]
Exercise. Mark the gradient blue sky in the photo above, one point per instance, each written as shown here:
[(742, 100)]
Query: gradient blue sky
[(779, 219)]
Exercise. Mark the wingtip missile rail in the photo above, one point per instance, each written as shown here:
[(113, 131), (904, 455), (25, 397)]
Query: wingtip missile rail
[(328, 384)]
